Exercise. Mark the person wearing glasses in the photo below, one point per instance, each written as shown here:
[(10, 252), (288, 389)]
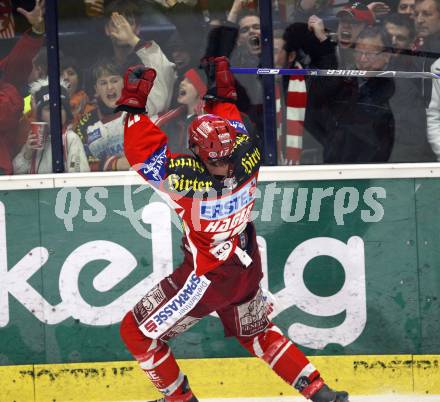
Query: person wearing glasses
[(351, 116), (213, 192), (352, 20)]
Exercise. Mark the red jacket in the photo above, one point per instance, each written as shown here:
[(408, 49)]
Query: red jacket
[(11, 109), (15, 69), (17, 65)]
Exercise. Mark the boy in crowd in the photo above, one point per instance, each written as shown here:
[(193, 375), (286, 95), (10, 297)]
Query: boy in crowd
[(100, 130)]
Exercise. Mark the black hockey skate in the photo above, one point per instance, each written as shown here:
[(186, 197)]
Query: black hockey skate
[(187, 396), (193, 399), (325, 394)]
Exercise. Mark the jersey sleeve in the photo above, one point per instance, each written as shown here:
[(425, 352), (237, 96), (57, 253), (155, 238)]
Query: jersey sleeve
[(146, 148)]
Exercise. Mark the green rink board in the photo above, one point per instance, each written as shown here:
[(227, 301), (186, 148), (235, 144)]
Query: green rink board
[(379, 295)]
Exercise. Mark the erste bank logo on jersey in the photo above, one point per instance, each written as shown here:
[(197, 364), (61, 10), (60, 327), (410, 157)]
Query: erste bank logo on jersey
[(226, 206)]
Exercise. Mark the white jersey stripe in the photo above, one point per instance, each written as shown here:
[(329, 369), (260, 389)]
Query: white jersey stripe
[(149, 365), (280, 354)]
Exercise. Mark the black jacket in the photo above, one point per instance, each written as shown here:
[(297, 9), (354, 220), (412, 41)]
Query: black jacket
[(408, 107), (351, 118)]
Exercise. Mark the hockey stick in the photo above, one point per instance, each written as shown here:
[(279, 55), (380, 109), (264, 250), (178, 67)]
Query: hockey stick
[(335, 73)]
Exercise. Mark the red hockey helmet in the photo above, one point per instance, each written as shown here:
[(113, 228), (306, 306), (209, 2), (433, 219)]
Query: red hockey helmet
[(214, 136)]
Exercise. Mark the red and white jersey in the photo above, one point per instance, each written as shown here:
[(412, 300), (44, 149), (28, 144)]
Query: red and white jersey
[(214, 211)]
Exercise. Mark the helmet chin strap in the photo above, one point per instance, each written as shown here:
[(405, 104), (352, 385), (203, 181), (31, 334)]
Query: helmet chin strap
[(218, 177), (230, 169), (229, 173)]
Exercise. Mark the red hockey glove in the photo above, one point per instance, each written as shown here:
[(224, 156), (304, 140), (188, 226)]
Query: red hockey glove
[(138, 81), (221, 82)]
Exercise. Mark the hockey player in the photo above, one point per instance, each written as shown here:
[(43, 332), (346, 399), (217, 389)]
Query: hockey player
[(213, 191)]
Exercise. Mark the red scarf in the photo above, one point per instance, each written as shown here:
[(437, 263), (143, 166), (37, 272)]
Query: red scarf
[(290, 119), (7, 25)]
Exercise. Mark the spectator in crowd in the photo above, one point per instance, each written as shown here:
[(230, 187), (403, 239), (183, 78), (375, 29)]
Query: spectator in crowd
[(433, 113), (352, 20), (175, 123), (122, 28), (246, 20), (183, 59), (36, 154), (427, 20), (291, 99), (39, 66), (410, 139), (123, 41), (249, 34), (406, 7), (72, 75), (180, 55), (349, 116), (304, 9), (189, 21), (38, 72), (401, 30), (313, 41), (100, 130), (407, 103), (14, 72), (11, 108)]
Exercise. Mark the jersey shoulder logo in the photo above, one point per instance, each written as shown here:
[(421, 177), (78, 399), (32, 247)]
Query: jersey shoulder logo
[(154, 167)]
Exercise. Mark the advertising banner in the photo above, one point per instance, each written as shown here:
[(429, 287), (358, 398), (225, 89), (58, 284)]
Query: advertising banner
[(353, 267)]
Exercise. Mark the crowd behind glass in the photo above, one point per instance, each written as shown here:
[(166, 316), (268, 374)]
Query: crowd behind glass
[(318, 119)]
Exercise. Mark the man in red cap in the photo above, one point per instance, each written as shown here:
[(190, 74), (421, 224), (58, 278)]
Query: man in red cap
[(352, 20), (213, 191)]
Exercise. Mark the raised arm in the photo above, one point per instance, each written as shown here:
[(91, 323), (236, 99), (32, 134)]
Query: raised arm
[(222, 95), (145, 145), (17, 65), (152, 56)]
